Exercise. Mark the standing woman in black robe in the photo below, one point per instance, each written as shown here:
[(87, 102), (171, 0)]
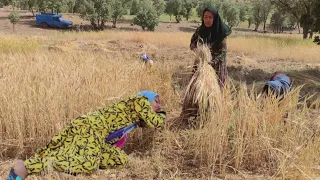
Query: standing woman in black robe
[(213, 32)]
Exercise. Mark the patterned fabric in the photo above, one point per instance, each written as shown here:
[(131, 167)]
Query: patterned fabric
[(221, 69), (81, 148)]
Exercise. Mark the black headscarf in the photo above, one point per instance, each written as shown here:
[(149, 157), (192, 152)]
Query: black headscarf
[(217, 32)]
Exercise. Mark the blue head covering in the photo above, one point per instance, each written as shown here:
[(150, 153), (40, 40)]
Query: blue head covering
[(149, 94), (280, 84), (145, 57), (284, 79)]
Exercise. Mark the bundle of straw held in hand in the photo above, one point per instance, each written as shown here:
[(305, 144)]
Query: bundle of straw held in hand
[(203, 88)]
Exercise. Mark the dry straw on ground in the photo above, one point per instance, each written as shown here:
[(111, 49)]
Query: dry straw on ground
[(42, 90)]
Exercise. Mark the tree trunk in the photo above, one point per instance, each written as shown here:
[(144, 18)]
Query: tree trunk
[(298, 24), (13, 27), (307, 23), (178, 19), (170, 17), (32, 11), (73, 6), (311, 34), (305, 32), (264, 25), (102, 24), (94, 25), (114, 23)]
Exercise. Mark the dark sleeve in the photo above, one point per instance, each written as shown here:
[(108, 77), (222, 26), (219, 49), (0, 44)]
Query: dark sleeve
[(221, 52), (195, 38)]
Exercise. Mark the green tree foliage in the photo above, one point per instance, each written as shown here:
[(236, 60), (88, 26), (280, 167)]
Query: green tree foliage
[(250, 15), (42, 5), (14, 18), (169, 8), (147, 16), (316, 13), (302, 10), (286, 13), (230, 12), (5, 2), (187, 8), (96, 11), (71, 6), (134, 8), (203, 4), (56, 6), (29, 5), (160, 6), (291, 21), (278, 21), (260, 10), (243, 11), (175, 7), (119, 8)]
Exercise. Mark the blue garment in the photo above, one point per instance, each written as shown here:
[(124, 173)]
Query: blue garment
[(145, 57), (13, 175), (149, 94), (281, 84), (125, 130), (121, 132)]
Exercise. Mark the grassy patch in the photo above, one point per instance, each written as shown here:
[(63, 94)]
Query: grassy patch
[(12, 44)]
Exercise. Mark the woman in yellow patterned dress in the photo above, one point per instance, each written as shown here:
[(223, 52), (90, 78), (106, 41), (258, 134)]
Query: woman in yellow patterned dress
[(94, 140)]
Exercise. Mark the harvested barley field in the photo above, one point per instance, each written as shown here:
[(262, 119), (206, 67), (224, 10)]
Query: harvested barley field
[(48, 79)]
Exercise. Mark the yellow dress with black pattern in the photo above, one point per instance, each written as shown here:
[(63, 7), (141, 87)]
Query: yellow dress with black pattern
[(81, 148)]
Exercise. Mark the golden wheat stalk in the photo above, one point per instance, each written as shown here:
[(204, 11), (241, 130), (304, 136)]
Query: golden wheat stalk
[(203, 88)]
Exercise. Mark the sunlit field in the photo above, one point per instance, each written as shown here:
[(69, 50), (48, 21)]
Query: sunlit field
[(48, 80)]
